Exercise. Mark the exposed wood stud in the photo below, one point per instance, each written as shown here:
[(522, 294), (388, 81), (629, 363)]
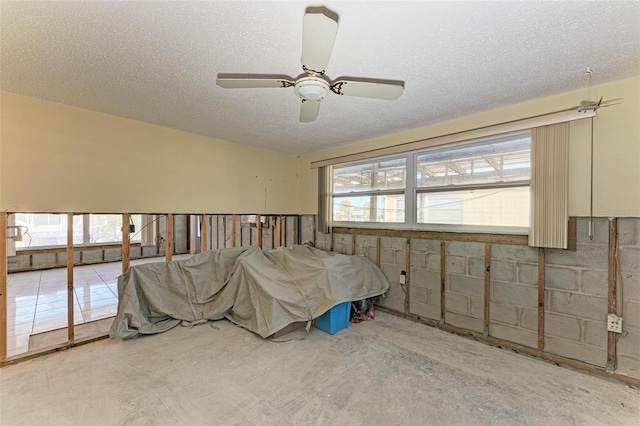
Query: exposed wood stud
[(204, 219), (284, 230), (3, 286), (612, 338), (332, 240), (313, 231), (442, 236), (443, 273), (31, 260), (541, 279), (224, 231), (407, 266), (70, 293), (487, 287), (233, 230), (353, 243), (217, 232), (378, 251), (572, 244), (126, 243), (169, 238), (259, 230)]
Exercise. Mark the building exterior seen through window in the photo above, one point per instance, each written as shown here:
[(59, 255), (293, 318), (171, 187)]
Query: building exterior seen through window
[(482, 183), (50, 230)]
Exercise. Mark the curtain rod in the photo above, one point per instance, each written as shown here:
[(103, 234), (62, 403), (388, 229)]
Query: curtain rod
[(569, 114)]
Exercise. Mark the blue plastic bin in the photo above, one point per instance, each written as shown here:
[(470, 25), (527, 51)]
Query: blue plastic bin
[(335, 319)]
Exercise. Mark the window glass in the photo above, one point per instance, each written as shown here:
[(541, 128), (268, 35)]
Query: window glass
[(479, 207), (44, 229), (369, 208), (386, 174), (478, 163)]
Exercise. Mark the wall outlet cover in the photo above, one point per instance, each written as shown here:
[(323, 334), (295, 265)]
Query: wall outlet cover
[(614, 323)]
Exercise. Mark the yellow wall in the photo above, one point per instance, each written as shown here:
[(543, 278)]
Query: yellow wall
[(57, 158), (616, 152)]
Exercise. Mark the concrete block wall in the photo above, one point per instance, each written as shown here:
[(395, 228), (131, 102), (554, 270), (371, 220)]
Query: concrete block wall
[(576, 288), (464, 285), (513, 300)]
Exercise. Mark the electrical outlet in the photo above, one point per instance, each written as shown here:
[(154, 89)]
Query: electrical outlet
[(614, 323), (403, 277)]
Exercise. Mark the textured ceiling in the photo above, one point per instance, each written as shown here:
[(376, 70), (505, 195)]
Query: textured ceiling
[(157, 61)]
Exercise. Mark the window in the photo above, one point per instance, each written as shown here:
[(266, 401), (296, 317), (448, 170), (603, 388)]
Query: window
[(50, 230), (370, 192), (476, 185)]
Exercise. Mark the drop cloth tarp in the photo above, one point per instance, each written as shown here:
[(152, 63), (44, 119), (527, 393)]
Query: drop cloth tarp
[(263, 291)]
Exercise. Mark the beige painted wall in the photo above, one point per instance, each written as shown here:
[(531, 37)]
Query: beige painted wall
[(616, 151), (57, 158)]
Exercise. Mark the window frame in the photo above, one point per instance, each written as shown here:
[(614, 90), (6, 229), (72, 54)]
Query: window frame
[(412, 190)]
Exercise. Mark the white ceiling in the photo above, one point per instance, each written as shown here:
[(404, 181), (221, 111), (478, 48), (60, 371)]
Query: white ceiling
[(157, 61)]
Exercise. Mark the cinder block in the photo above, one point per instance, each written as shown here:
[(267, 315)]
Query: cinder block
[(513, 334), (387, 255), (629, 259), (456, 265), (418, 259), (465, 284), (112, 254), (579, 305), (476, 307), (595, 333), (628, 365), (590, 256), (392, 272), (595, 282), (475, 266), (425, 310), (366, 241), (631, 285), (631, 314), (600, 231), (563, 278), (503, 271), (44, 260), (529, 319), (17, 262), (629, 231), (339, 238), (149, 251), (393, 243), (455, 302), (433, 262), (629, 344), (527, 273), (420, 244), (514, 253), (372, 253), (135, 252), (393, 303), (464, 321), (561, 326), (501, 312), (465, 249), (515, 294), (425, 278), (419, 294), (400, 258), (576, 350)]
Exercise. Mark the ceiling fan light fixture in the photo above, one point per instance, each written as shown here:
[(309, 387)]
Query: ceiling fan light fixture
[(311, 88)]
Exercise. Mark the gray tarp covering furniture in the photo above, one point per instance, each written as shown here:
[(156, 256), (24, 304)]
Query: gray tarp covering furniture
[(263, 291)]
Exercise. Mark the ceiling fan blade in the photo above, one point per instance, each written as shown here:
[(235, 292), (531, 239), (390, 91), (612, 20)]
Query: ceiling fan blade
[(318, 34), (252, 81), (377, 89), (309, 110)]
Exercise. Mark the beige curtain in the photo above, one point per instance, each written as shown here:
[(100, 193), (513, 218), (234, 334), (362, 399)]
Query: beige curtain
[(148, 231), (549, 186), (324, 199)]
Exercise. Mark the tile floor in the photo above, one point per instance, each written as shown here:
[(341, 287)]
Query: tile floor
[(37, 301)]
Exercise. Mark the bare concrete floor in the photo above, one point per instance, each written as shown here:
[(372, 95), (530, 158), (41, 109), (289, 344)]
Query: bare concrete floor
[(387, 371)]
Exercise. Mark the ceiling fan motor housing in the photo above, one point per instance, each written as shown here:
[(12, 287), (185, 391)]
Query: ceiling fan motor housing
[(311, 88)]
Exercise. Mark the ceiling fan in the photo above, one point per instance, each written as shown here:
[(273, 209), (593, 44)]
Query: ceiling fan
[(318, 34)]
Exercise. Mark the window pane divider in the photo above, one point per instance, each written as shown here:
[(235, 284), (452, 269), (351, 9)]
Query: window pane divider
[(451, 188), (398, 191)]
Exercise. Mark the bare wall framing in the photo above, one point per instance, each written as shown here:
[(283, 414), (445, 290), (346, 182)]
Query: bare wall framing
[(551, 303)]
